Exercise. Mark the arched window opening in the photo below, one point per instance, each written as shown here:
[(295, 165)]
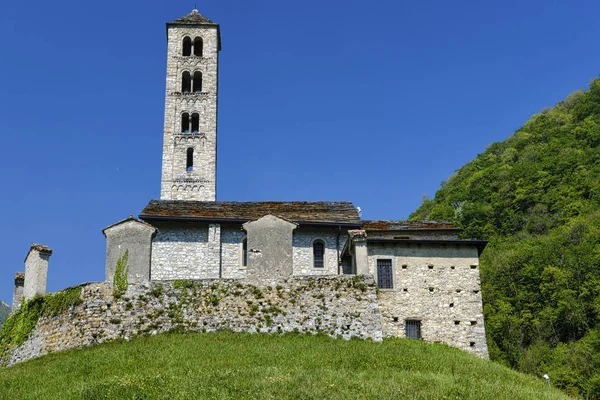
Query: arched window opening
[(187, 46), (195, 123), (245, 253), (197, 82), (186, 83), (318, 254), (198, 47), (185, 123), (190, 160)]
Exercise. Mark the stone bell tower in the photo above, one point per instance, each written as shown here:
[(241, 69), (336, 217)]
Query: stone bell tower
[(189, 163)]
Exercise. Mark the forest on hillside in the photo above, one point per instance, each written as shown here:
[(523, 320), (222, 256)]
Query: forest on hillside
[(536, 198)]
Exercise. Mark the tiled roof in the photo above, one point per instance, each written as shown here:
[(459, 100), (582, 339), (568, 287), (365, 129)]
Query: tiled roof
[(407, 225), (297, 211), (193, 18)]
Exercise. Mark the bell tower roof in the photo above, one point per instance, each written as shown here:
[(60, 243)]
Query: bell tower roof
[(194, 19)]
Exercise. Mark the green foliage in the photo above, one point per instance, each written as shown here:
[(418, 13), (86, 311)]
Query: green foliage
[(19, 325), (536, 198), (183, 284), (120, 282), (157, 290), (241, 366)]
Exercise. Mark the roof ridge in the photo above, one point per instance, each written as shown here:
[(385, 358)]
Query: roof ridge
[(193, 18)]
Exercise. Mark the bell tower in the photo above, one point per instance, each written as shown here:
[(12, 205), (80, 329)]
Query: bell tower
[(189, 163)]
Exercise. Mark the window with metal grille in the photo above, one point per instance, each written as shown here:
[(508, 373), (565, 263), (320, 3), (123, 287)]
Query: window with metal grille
[(318, 254), (384, 274), (413, 329)]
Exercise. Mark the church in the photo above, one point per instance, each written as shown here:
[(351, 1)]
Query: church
[(427, 277)]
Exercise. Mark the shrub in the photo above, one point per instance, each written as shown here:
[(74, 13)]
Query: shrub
[(18, 326), (120, 278)]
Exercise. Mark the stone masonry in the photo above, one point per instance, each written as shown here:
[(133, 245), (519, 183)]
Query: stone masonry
[(182, 253), (135, 238), (438, 286), (303, 250), (36, 271), (344, 307), (270, 251), (200, 182), (18, 291)]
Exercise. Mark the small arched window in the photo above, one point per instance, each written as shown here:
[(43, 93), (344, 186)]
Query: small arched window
[(186, 82), (195, 123), (198, 47), (318, 254), (190, 160), (197, 82), (185, 123), (187, 46), (245, 253)]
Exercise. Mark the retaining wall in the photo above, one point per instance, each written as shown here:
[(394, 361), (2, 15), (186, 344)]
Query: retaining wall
[(344, 307)]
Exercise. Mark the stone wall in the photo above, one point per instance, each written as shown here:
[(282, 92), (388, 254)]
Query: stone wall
[(232, 238), (182, 252), (344, 307), (303, 250), (135, 238), (438, 285)]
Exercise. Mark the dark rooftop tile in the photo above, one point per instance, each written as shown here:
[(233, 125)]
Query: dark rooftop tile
[(298, 211), (407, 225)]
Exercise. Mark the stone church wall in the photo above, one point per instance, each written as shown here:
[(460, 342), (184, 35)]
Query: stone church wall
[(344, 307), (303, 251), (182, 253), (437, 285), (231, 252)]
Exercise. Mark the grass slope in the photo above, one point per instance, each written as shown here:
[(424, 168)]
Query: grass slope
[(241, 366)]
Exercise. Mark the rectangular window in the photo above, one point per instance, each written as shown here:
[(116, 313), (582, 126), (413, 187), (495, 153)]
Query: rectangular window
[(413, 329), (384, 274)]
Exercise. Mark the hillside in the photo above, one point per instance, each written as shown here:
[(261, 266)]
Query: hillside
[(536, 198), (244, 366), (4, 311)]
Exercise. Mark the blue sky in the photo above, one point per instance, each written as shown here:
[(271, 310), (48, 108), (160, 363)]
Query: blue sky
[(374, 102)]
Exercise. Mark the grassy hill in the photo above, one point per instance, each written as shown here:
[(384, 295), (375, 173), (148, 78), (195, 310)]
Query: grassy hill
[(4, 311), (536, 198), (243, 366)]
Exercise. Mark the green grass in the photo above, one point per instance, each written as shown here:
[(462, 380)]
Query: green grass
[(242, 366)]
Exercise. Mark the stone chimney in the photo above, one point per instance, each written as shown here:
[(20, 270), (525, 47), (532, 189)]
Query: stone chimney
[(36, 271), (18, 291)]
